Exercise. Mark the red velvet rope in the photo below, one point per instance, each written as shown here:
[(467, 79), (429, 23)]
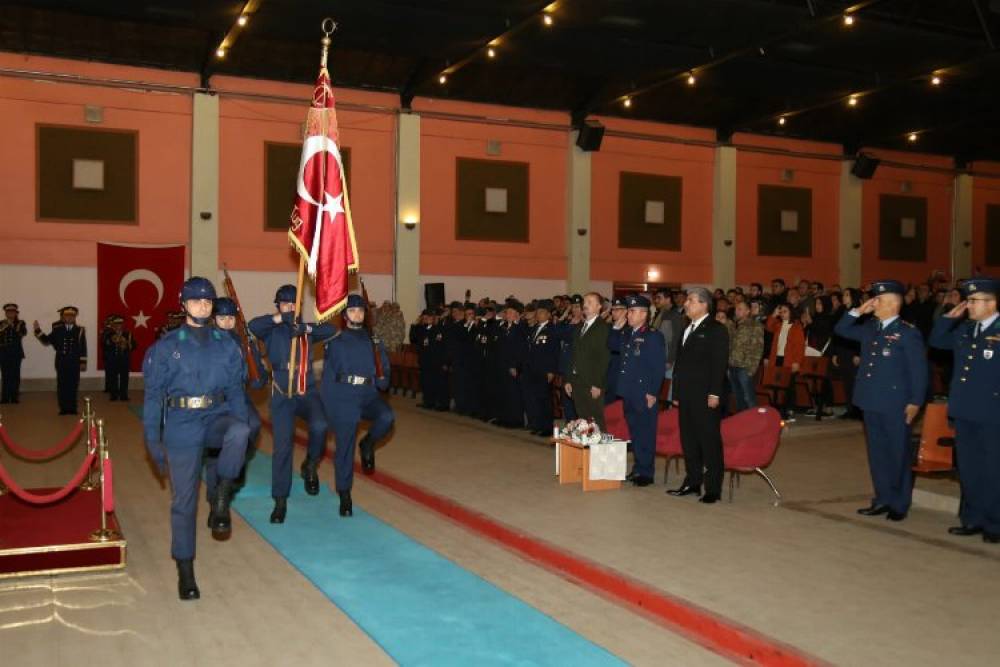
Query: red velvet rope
[(44, 454), (36, 499), (109, 493)]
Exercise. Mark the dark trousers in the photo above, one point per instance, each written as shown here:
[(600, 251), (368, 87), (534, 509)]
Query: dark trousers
[(185, 455), (466, 390), (568, 406), (284, 410), (588, 407), (10, 382), (434, 385), (742, 385), (344, 409), (67, 384), (889, 459), (511, 403), (701, 440), (116, 374), (641, 421), (978, 458), (537, 394)]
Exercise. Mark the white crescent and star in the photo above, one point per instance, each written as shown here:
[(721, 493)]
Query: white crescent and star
[(137, 275), (315, 145)]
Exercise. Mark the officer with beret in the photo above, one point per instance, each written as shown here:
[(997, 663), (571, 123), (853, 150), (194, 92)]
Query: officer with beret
[(69, 340), (194, 400), (350, 390), (277, 331), (541, 361), (12, 331), (643, 361), (511, 345), (618, 328), (891, 388), (118, 344), (974, 404)]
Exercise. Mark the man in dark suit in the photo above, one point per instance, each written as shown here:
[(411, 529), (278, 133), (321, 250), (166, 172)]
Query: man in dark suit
[(541, 360), (699, 378), (588, 366)]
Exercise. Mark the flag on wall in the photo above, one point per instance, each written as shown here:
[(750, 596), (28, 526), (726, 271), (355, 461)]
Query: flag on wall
[(321, 229), (142, 284)]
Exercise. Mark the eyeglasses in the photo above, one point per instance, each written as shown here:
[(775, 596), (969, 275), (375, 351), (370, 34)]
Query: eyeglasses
[(984, 299)]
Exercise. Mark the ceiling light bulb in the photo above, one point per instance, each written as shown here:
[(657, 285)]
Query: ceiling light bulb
[(848, 20), (242, 20), (547, 20), (781, 121), (627, 102), (491, 53), (936, 80), (442, 79), (691, 80), (220, 52), (852, 100), (912, 137)]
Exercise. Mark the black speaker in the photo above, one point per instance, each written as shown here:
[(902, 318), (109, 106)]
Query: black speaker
[(865, 166), (590, 134), (434, 294)]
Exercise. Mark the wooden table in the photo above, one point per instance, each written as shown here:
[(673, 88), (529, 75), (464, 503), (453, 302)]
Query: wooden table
[(574, 467)]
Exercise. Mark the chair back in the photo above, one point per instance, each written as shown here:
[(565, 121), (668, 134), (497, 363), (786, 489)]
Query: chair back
[(932, 456)]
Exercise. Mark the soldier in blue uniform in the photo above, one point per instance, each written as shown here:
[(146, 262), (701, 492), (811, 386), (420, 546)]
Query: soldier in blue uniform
[(277, 331), (350, 389), (974, 405), (541, 361), (891, 388), (194, 399), (118, 346), (510, 348), (643, 361), (12, 331), (618, 329), (69, 340)]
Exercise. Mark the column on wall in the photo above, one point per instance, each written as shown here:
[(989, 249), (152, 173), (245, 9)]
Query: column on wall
[(724, 218), (577, 217), (849, 217), (205, 186), (961, 231), (406, 274)]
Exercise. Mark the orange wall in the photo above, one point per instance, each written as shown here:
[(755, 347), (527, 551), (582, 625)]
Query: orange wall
[(821, 176), (244, 127), (694, 164), (985, 191), (936, 187), (545, 151), (163, 122)]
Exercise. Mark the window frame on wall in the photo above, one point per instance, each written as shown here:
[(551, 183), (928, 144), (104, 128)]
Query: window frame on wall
[(524, 236), (665, 236)]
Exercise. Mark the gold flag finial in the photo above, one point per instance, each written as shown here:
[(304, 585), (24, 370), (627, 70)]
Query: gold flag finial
[(328, 26)]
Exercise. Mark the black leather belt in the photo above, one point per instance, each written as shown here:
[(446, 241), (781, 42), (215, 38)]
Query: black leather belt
[(195, 402), (353, 379)]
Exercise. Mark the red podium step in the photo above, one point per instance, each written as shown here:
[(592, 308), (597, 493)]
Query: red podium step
[(55, 539)]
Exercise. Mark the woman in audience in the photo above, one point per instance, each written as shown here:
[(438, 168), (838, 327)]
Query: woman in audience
[(788, 347)]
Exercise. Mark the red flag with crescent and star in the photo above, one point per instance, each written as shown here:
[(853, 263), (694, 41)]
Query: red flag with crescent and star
[(321, 229), (142, 284)]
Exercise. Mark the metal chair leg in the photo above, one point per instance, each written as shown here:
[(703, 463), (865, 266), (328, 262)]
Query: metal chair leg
[(733, 475), (767, 479)]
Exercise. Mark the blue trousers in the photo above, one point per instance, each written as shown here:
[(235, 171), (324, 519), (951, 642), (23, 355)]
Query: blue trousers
[(284, 410), (185, 450), (641, 422), (742, 386), (67, 383), (889, 459), (978, 459), (537, 394), (212, 455), (345, 406)]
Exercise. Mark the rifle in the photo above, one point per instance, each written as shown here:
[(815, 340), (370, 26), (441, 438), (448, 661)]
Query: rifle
[(370, 325), (244, 331)]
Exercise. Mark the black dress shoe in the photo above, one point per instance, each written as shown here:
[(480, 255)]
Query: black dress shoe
[(187, 588), (642, 480), (991, 538), (685, 490), (367, 447), (709, 498), (964, 531), (310, 478), (346, 506), (629, 477), (893, 515), (279, 511), (873, 510)]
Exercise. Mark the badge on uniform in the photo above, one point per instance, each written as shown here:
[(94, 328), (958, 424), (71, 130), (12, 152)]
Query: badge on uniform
[(177, 355), (987, 354), (886, 352)]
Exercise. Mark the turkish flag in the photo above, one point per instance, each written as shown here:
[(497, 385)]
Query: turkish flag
[(321, 229), (142, 284)]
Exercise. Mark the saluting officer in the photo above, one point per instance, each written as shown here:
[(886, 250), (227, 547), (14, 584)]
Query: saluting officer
[(118, 347), (194, 400), (277, 331), (541, 361), (105, 328), (618, 328), (12, 331), (350, 391), (643, 362), (512, 340), (974, 404), (70, 343), (891, 387)]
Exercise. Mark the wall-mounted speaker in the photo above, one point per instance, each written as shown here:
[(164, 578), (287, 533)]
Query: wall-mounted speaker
[(865, 166), (434, 294), (589, 136)]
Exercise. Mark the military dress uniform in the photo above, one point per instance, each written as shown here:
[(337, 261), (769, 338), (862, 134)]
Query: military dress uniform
[(303, 401), (512, 341), (70, 343), (194, 400), (893, 374), (565, 331), (642, 362), (541, 358), (118, 347), (12, 331), (429, 340), (350, 393), (462, 359), (105, 328), (974, 407)]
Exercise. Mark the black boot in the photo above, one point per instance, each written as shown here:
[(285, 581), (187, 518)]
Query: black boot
[(367, 447), (219, 519), (346, 507), (310, 477), (187, 588), (278, 513)]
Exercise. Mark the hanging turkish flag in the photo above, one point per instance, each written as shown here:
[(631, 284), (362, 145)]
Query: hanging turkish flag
[(142, 284), (321, 228)]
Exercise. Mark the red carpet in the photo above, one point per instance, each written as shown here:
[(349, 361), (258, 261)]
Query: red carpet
[(55, 538)]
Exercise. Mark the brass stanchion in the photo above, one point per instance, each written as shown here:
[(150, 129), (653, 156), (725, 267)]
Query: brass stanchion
[(91, 482), (103, 534)]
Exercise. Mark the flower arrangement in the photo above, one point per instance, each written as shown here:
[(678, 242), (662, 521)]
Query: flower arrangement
[(582, 431)]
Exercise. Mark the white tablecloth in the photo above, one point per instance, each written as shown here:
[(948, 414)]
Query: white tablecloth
[(608, 460)]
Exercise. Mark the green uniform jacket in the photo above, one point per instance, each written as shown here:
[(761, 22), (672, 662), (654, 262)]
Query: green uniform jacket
[(590, 357)]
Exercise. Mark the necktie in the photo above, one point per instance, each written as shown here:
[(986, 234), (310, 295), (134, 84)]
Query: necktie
[(585, 326), (690, 330), (880, 326), (975, 333)]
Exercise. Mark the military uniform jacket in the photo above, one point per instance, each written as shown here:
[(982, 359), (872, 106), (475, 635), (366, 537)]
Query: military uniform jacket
[(542, 353), (512, 344), (702, 362), (429, 340), (70, 344), (589, 356), (349, 352), (566, 332), (893, 370), (975, 384), (11, 333), (643, 363), (180, 364), (117, 347), (278, 342)]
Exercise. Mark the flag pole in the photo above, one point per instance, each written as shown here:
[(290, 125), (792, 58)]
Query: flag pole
[(295, 319)]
